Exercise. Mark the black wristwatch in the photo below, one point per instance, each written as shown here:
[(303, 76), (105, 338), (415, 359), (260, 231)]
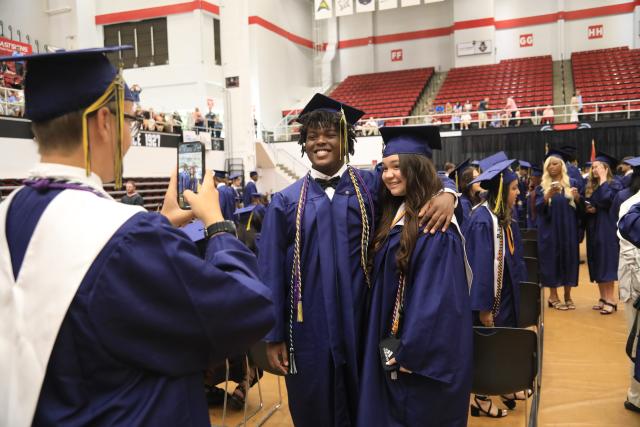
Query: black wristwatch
[(220, 227)]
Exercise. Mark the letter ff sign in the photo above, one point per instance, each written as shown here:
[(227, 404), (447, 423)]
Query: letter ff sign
[(526, 40), (596, 31), (396, 55)]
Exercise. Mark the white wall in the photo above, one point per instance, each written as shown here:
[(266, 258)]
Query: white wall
[(29, 17), (545, 42), (18, 156), (618, 31)]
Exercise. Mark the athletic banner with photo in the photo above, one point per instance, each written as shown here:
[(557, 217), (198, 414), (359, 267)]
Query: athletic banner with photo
[(7, 47), (323, 8), (365, 6), (344, 7), (387, 4), (406, 3)]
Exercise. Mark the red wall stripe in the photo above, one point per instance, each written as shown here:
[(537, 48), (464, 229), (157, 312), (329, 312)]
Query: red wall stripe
[(156, 12), (525, 22), (256, 20), (473, 23)]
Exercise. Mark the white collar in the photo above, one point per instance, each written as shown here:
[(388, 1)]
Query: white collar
[(400, 212), (319, 175), (70, 173), (221, 184), (629, 172)]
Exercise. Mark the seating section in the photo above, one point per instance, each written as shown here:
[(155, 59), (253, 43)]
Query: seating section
[(152, 190), (381, 95), (607, 75), (528, 80)]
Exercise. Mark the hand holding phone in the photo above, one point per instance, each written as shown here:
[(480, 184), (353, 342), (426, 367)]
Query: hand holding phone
[(205, 204), (190, 169)]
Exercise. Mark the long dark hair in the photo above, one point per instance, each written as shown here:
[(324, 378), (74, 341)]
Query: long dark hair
[(324, 120), (464, 187), (634, 187), (422, 184), (504, 216)]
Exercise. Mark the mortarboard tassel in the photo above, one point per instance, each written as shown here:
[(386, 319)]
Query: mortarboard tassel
[(499, 203), (292, 362), (249, 222), (457, 185), (344, 143), (300, 318)]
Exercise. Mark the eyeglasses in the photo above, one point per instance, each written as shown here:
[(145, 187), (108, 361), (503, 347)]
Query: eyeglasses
[(134, 124)]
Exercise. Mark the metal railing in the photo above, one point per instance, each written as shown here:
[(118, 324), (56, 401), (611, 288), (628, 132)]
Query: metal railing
[(534, 115), (11, 102), (289, 161)]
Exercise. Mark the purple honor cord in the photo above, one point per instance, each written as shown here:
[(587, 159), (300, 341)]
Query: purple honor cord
[(43, 184)]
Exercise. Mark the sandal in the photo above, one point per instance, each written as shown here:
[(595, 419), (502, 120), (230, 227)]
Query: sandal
[(510, 400), (569, 304), (214, 395), (557, 305), (600, 305), (237, 399), (609, 308), (477, 410)]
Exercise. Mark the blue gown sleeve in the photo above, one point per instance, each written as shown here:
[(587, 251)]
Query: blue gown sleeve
[(603, 196), (273, 256), (629, 225), (479, 245), (436, 307), (447, 182), (158, 305), (542, 208)]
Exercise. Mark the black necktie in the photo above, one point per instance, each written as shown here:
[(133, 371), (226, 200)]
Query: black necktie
[(326, 183)]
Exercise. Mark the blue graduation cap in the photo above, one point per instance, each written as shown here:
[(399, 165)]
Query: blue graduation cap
[(245, 210), (496, 176), (234, 176), (321, 102), (219, 174), (253, 173), (601, 156), (569, 151), (57, 83), (633, 162), (420, 140), (523, 164), (475, 163), (555, 152), (459, 170), (587, 164), (194, 230), (536, 171), (487, 162), (257, 195)]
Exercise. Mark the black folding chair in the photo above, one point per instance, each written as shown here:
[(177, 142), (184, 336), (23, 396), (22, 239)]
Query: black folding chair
[(531, 314), (529, 233), (505, 362), (530, 248), (532, 269)]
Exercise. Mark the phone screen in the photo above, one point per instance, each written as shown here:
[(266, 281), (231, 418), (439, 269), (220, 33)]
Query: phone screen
[(190, 169)]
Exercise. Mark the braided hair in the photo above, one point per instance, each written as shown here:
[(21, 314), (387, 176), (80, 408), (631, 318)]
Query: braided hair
[(319, 119)]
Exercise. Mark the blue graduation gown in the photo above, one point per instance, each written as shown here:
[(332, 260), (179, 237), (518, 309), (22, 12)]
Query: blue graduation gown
[(463, 210), (147, 318), (324, 391), (618, 200), (249, 189), (602, 241), (574, 173), (629, 225), (478, 234), (184, 181), (227, 199), (521, 203), (558, 241), (435, 333)]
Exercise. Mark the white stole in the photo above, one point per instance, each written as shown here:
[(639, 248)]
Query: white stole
[(496, 247), (70, 234)]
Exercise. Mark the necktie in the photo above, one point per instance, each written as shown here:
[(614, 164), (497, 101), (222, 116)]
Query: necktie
[(326, 183)]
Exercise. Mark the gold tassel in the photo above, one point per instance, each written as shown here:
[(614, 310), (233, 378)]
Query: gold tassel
[(249, 222), (457, 185), (300, 317), (499, 202), (343, 133)]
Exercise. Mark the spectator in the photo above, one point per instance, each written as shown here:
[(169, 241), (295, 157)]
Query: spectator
[(574, 107), (535, 116), (135, 93), (465, 120), (198, 119), (578, 96), (448, 108), (547, 115), (210, 118), (483, 106), (217, 127), (510, 108), (370, 127), (467, 106), (455, 118), (496, 119), (177, 122), (132, 197)]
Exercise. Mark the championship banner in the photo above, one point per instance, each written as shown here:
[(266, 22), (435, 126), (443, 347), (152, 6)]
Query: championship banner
[(387, 4), (344, 7), (323, 9), (406, 3), (7, 47), (365, 6)]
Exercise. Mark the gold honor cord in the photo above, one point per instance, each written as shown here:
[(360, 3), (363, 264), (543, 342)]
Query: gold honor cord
[(115, 90), (499, 201)]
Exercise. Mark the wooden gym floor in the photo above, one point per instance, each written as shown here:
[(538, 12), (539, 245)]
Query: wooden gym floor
[(585, 374)]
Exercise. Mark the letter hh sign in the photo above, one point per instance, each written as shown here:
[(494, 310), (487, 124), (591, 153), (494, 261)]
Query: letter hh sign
[(526, 40), (595, 31), (396, 55)]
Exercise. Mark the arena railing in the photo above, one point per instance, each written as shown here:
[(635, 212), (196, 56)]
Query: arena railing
[(11, 108), (562, 114)]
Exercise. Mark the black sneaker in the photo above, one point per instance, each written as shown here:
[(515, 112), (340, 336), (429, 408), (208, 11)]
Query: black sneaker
[(630, 406), (215, 395)]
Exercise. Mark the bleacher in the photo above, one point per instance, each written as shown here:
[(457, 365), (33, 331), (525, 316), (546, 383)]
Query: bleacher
[(152, 190), (388, 94), (607, 75), (528, 80)]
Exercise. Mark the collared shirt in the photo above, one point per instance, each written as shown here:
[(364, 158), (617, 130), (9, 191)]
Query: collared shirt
[(319, 175)]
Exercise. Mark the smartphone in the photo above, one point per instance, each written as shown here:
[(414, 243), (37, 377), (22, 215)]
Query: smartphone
[(190, 169)]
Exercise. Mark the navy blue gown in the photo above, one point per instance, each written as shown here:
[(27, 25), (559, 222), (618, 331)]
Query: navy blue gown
[(629, 225), (521, 203), (436, 337), (227, 199), (249, 189), (618, 200), (558, 241), (479, 243), (147, 319), (602, 242), (463, 210)]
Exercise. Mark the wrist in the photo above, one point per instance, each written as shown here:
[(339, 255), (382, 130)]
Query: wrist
[(212, 219)]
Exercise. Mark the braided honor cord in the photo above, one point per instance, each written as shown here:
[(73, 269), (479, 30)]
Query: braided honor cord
[(295, 293), (366, 230), (496, 301)]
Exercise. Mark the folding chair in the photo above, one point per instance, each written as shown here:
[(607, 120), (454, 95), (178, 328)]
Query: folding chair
[(505, 362), (532, 269), (530, 248), (531, 314), (529, 233)]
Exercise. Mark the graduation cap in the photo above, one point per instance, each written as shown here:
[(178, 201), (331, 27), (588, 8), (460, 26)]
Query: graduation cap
[(524, 165), (194, 230), (606, 158), (587, 164), (487, 162), (633, 162), (257, 195), (420, 140), (220, 174), (245, 213), (253, 173), (495, 178), (561, 154), (536, 171), (475, 163), (61, 82), (570, 152), (234, 176), (459, 170), (348, 114)]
